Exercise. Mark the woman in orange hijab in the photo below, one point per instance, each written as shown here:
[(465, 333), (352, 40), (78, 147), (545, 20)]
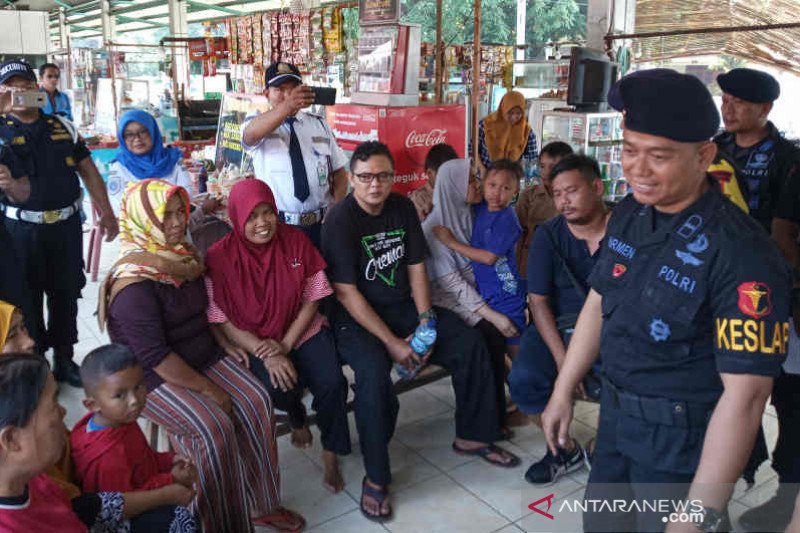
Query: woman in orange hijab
[(506, 134)]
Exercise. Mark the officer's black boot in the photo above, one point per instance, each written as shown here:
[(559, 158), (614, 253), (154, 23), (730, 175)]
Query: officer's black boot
[(774, 514), (64, 368)]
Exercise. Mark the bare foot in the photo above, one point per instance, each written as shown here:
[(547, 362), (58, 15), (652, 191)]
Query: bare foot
[(302, 437), (373, 507), (332, 478)]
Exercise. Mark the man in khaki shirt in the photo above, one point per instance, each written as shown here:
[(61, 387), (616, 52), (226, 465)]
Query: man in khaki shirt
[(535, 204)]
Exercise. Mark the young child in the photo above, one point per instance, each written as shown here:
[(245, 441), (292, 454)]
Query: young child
[(495, 233), (109, 450)]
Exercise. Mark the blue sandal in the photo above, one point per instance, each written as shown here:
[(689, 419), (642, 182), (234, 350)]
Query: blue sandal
[(379, 495), (485, 451)]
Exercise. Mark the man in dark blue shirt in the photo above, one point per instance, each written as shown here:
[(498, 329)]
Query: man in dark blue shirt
[(41, 199), (688, 311), (769, 173), (562, 254)]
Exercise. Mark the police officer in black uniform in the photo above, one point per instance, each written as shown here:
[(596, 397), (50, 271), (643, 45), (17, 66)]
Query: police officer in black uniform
[(41, 201), (769, 173), (689, 309)]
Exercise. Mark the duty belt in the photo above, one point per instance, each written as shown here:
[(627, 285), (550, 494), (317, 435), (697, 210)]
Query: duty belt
[(660, 410), (303, 219), (42, 217)]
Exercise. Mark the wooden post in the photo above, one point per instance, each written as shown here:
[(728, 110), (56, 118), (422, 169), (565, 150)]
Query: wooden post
[(439, 50), (476, 84)]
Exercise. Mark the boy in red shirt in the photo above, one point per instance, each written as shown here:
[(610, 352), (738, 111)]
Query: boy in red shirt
[(109, 450)]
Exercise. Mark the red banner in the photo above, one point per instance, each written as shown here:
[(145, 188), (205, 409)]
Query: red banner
[(408, 131)]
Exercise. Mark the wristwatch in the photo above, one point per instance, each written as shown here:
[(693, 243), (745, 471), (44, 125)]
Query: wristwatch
[(430, 314), (707, 520)]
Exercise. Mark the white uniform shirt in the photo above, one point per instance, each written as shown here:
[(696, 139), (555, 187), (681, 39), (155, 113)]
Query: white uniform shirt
[(119, 177), (273, 165)]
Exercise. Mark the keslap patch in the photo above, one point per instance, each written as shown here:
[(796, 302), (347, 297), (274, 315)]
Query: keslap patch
[(755, 299), (618, 270)]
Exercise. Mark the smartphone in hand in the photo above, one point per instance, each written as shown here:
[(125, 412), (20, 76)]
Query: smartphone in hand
[(324, 95)]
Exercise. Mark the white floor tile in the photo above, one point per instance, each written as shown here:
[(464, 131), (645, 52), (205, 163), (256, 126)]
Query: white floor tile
[(506, 490), (416, 405), (441, 505), (302, 491), (562, 521), (432, 438), (443, 390), (352, 522)]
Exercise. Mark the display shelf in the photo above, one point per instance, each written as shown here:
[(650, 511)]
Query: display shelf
[(598, 135)]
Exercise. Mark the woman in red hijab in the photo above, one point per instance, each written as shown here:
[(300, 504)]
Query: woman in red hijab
[(265, 281)]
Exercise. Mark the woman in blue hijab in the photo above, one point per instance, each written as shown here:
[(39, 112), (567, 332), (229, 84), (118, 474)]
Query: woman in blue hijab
[(142, 153)]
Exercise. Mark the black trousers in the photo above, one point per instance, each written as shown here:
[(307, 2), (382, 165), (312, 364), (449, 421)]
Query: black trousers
[(51, 255), (786, 399), (459, 348), (313, 232), (13, 285), (319, 369), (496, 344)]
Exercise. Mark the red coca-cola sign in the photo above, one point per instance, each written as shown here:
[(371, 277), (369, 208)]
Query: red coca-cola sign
[(431, 138), (408, 131)]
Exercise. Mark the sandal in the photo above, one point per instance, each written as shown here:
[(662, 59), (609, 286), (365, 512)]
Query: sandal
[(379, 495), (484, 453), (282, 519)]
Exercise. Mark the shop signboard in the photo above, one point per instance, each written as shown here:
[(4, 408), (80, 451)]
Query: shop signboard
[(378, 12)]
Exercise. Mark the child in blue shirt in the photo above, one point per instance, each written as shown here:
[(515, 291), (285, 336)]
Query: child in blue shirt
[(495, 233)]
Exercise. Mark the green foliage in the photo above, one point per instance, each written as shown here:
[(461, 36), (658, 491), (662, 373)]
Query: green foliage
[(546, 20)]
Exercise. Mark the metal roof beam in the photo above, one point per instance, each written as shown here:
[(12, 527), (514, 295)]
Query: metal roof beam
[(140, 6), (123, 19), (201, 6)]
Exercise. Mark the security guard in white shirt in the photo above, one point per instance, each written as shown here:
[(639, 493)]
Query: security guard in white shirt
[(295, 153)]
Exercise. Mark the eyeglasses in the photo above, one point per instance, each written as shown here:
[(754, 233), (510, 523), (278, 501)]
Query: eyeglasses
[(367, 177), (131, 135)]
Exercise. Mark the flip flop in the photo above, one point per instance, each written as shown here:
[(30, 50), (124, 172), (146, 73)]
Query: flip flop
[(379, 495), (281, 515), (488, 450)]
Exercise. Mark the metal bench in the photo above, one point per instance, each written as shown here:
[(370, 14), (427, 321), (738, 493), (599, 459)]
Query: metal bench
[(159, 441)]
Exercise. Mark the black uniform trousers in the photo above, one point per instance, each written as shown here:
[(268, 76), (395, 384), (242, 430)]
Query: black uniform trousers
[(51, 255), (638, 460), (13, 285), (318, 368), (459, 348), (786, 399)]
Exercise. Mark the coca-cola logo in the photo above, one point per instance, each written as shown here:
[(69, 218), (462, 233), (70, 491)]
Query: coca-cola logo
[(432, 138)]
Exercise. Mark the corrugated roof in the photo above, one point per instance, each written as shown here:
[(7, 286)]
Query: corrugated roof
[(777, 47)]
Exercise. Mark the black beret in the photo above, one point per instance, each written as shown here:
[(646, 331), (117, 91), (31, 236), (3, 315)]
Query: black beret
[(666, 103), (750, 85)]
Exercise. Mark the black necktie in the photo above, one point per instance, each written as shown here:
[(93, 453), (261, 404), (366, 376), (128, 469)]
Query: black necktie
[(301, 191)]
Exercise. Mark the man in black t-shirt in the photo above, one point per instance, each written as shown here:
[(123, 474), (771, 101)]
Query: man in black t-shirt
[(375, 250)]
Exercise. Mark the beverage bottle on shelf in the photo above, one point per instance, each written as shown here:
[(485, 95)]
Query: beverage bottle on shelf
[(424, 337)]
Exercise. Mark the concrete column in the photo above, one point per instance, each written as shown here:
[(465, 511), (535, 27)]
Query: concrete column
[(522, 10), (106, 21), (64, 44), (618, 15), (179, 27)]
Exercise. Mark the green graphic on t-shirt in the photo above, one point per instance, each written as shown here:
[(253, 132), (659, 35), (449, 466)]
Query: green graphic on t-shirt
[(385, 250)]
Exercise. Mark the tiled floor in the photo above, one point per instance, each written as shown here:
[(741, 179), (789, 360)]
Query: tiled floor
[(434, 489)]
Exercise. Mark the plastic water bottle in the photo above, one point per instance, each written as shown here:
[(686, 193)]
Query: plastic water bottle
[(424, 337)]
